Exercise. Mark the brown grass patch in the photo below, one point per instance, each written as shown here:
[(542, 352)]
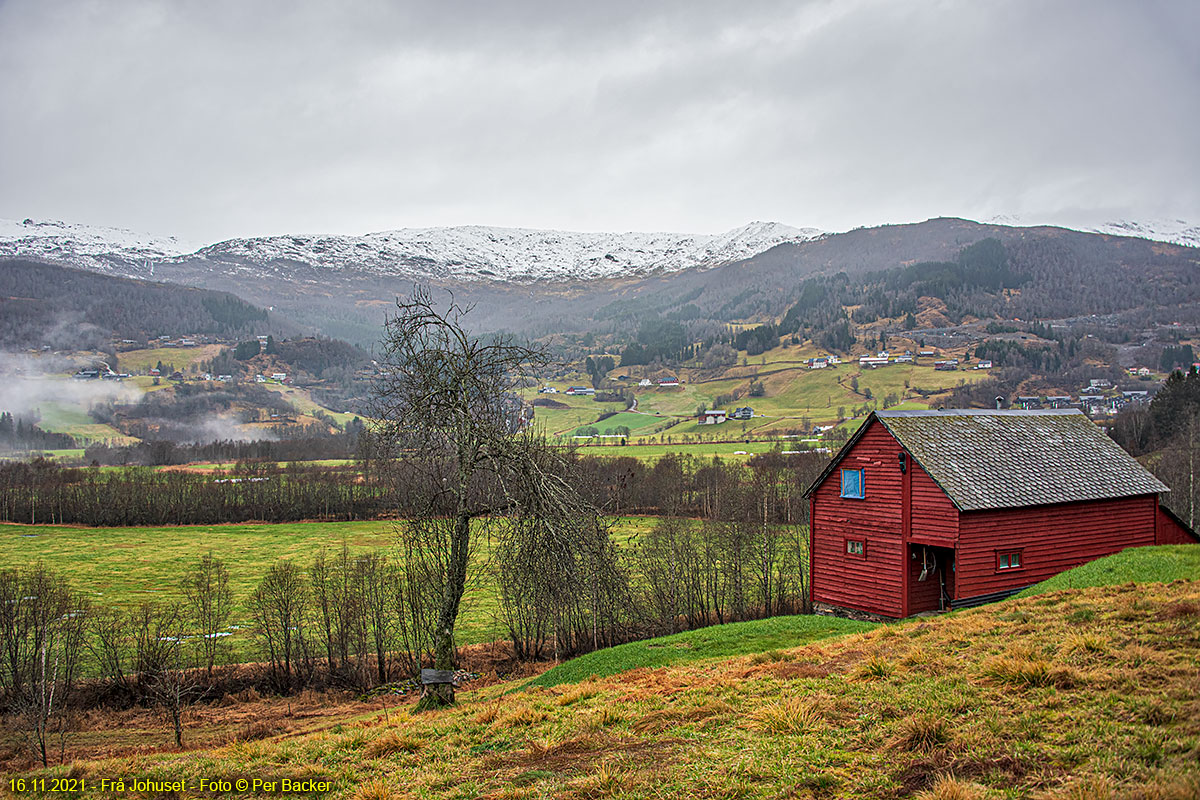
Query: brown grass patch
[(261, 729), (1023, 670), (580, 753), (389, 742), (791, 715), (576, 694), (922, 734), (375, 790), (948, 787), (658, 721), (518, 717), (1180, 610)]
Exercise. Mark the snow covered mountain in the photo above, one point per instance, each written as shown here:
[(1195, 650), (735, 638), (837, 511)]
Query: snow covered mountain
[(1173, 231), (112, 250), (457, 254), (469, 253), (517, 255)]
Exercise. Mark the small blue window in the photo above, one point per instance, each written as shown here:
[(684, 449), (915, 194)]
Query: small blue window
[(852, 483)]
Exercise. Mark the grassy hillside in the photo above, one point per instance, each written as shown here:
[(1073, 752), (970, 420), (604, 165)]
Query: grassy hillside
[(719, 641), (1139, 564), (794, 397), (1031, 698)]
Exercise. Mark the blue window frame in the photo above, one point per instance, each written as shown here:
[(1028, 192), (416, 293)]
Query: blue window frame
[(852, 483)]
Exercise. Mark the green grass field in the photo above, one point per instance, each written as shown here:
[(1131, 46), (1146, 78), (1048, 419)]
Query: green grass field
[(580, 411), (123, 566), (652, 452), (179, 357), (74, 421), (718, 641), (1161, 564)]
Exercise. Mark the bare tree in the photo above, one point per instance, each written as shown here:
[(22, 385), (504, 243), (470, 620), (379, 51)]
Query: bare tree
[(110, 643), (279, 607), (448, 401), (164, 672), (42, 633), (210, 603)]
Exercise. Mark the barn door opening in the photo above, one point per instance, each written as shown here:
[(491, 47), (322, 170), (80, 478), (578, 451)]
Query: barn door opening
[(931, 578)]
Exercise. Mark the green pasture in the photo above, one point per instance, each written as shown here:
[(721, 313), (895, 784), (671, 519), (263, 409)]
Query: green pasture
[(74, 421), (651, 452), (121, 567), (302, 401), (637, 423), (579, 411), (179, 357)]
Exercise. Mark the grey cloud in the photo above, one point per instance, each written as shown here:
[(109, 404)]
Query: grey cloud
[(218, 119)]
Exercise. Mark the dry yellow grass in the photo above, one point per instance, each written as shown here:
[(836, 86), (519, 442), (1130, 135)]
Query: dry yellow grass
[(1003, 702)]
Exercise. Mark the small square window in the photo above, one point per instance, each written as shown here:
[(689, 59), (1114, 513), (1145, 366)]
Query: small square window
[(1008, 560), (852, 483), (856, 547)]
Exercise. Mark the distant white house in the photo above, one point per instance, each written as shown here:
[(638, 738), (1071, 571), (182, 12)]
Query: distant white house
[(644, 382), (548, 390), (279, 376), (983, 365)]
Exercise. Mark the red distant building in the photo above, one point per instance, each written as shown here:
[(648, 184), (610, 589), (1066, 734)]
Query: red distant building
[(924, 510)]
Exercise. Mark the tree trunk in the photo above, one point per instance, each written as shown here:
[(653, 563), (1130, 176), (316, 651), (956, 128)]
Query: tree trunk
[(440, 695)]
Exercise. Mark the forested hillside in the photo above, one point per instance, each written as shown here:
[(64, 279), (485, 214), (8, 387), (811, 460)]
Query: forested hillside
[(45, 304)]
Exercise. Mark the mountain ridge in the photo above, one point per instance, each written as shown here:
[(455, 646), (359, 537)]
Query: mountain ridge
[(462, 253), (467, 253)]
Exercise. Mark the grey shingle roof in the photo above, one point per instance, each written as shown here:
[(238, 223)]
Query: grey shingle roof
[(1004, 459)]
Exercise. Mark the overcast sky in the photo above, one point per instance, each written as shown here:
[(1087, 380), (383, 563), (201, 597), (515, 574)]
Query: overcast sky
[(209, 120)]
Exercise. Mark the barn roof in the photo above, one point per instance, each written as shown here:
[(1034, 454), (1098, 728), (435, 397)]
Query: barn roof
[(985, 459)]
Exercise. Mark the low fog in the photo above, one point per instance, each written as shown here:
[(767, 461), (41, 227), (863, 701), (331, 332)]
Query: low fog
[(35, 382)]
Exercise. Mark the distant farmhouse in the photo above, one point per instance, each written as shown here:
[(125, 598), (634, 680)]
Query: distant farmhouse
[(928, 510)]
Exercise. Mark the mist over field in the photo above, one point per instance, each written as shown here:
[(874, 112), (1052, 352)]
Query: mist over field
[(34, 382)]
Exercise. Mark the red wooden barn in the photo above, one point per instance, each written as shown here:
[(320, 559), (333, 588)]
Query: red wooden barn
[(924, 510)]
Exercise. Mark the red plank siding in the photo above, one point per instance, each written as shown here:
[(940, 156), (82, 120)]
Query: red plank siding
[(1169, 531), (872, 583), (1051, 538), (934, 517)]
